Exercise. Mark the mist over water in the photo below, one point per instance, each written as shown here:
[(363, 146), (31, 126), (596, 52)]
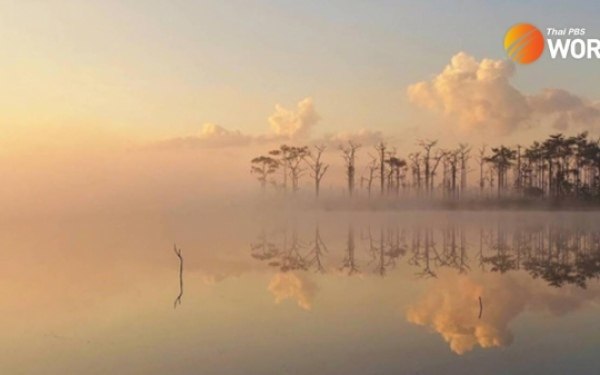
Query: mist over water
[(272, 291)]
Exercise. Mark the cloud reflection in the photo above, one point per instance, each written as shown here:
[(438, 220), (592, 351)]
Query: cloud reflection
[(293, 286), (450, 307)]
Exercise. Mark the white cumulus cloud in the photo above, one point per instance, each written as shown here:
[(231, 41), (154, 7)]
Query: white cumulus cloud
[(478, 95), (294, 123)]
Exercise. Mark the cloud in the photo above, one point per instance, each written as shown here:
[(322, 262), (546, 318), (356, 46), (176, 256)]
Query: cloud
[(364, 137), (478, 95), (294, 123), (566, 108), (211, 135), (293, 286), (219, 136), (285, 125), (451, 308)]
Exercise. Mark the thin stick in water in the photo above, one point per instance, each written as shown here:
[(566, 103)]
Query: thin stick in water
[(178, 299)]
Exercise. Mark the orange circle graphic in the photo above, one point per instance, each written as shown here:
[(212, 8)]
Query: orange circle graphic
[(524, 43)]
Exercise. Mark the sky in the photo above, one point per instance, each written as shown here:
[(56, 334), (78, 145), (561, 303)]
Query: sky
[(159, 69), (99, 76)]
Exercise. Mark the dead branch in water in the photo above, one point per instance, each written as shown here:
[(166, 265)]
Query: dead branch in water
[(480, 307), (178, 299)]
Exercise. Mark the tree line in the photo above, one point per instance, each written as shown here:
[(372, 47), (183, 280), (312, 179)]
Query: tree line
[(558, 167)]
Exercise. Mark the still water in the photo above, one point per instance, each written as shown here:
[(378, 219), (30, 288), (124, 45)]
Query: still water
[(305, 293)]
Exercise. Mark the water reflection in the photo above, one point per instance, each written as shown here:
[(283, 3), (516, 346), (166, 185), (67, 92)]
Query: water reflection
[(468, 266), (450, 307), (287, 256), (293, 286), (404, 286), (557, 254), (349, 262)]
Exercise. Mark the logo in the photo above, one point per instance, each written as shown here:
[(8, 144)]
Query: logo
[(524, 43), (569, 43)]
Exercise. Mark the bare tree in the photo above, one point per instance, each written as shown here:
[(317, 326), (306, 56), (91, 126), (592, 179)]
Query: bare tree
[(439, 156), (519, 179), (427, 146), (282, 154), (349, 155), (295, 157), (371, 170), (396, 166), (481, 159), (453, 160), (464, 151), (318, 168), (263, 167), (415, 166), (381, 147), (389, 175), (502, 159)]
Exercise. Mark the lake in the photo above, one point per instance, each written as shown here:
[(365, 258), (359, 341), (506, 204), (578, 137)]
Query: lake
[(247, 292)]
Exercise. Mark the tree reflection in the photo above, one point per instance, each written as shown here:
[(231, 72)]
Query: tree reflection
[(554, 252), (424, 253), (318, 248), (349, 262), (286, 256), (502, 258), (386, 249), (454, 248), (564, 257)]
